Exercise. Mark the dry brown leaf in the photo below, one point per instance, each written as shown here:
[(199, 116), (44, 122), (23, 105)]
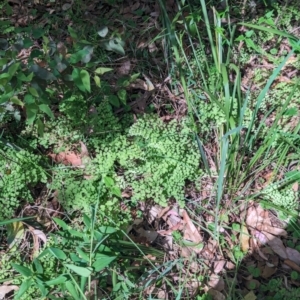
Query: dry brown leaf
[(216, 295), (190, 231), (295, 187), (293, 255), (67, 158), (244, 238), (292, 265), (36, 236), (139, 84), (276, 245), (273, 230), (5, 289), (216, 282), (219, 266), (268, 272), (125, 68), (150, 235), (254, 217)]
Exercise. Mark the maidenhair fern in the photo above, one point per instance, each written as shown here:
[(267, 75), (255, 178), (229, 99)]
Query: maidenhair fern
[(20, 171)]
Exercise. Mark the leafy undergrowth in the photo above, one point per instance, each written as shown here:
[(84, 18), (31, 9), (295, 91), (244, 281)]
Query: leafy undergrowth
[(149, 150)]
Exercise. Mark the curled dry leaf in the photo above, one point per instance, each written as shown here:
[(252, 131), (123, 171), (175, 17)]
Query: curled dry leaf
[(190, 231)]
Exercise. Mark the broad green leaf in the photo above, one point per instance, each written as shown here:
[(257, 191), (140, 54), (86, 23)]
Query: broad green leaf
[(102, 70), (71, 289), (33, 91), (38, 32), (3, 44), (89, 53), (72, 32), (31, 112), (85, 272), (57, 253), (97, 81), (77, 79), (42, 73), (102, 262), (85, 78), (21, 76), (134, 77), (115, 45), (4, 76), (114, 100), (46, 109), (103, 31), (87, 221), (23, 288), (107, 229), (122, 94), (27, 43), (108, 181), (78, 56), (3, 61), (75, 258), (59, 280), (28, 99), (61, 223), (42, 288), (82, 254), (40, 127), (116, 191), (16, 100), (76, 233), (22, 270), (38, 266), (13, 69)]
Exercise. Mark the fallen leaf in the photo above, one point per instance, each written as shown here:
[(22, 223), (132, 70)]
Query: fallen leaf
[(292, 265), (190, 231), (150, 235), (276, 245), (273, 230), (219, 266), (244, 238), (67, 158), (268, 272), (293, 255), (216, 282), (5, 289), (216, 295)]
